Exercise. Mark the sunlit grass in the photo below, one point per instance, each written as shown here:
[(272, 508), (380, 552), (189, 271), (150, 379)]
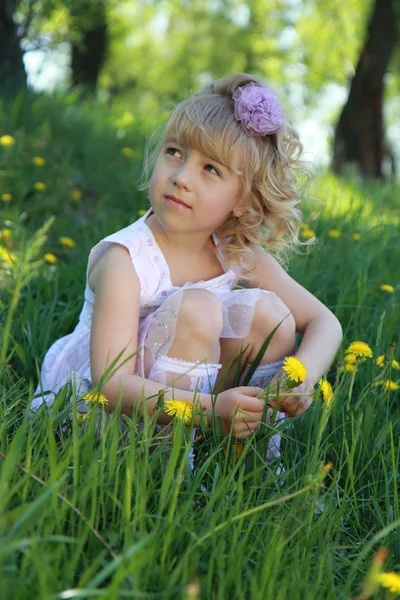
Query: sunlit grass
[(92, 510)]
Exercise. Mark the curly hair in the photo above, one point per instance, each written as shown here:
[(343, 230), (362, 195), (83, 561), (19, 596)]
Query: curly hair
[(273, 176)]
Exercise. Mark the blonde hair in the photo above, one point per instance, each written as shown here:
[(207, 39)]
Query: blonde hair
[(273, 178)]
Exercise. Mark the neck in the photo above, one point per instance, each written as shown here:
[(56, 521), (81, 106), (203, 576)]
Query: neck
[(189, 244)]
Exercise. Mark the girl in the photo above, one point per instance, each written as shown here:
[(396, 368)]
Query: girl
[(164, 290)]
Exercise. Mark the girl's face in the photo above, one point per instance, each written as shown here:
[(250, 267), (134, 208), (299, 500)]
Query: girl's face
[(190, 192)]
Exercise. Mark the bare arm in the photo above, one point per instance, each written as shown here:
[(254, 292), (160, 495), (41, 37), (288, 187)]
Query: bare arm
[(115, 326), (321, 331)]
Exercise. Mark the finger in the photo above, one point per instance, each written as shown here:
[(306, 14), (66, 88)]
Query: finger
[(249, 390), (246, 415), (252, 405)]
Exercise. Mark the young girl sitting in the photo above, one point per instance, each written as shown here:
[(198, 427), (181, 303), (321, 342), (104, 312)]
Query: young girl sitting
[(222, 188)]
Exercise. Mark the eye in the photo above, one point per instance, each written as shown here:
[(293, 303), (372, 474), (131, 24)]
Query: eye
[(171, 151), (208, 166)]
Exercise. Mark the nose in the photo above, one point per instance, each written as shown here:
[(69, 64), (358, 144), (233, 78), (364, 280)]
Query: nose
[(182, 177)]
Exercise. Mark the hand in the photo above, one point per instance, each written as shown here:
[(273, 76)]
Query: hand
[(289, 403), (240, 411)]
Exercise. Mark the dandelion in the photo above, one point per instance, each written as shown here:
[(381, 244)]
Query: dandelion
[(82, 416), (127, 151), (39, 186), (7, 257), (390, 386), (326, 391), (351, 358), (387, 288), (356, 237), (334, 233), (94, 396), (50, 258), (381, 360), (6, 197), (308, 233), (142, 212), (304, 226), (349, 367), (360, 349), (6, 234), (6, 140), (76, 195), (38, 161), (294, 369), (181, 409), (67, 242), (389, 580)]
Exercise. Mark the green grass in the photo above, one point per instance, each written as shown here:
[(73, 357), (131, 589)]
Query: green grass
[(115, 515)]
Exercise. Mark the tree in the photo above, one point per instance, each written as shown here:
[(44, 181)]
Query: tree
[(12, 70), (359, 135), (89, 45)]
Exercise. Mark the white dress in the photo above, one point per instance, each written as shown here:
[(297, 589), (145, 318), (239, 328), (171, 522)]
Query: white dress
[(69, 357)]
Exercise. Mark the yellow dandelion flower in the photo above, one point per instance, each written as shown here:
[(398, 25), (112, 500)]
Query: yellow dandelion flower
[(6, 234), (7, 257), (67, 242), (38, 161), (294, 369), (127, 151), (6, 140), (350, 358), (308, 233), (181, 409), (82, 416), (356, 237), (380, 361), (142, 212), (387, 288), (389, 580), (50, 258), (390, 386), (94, 396), (76, 195), (334, 233), (360, 349), (327, 391), (349, 367), (39, 186), (6, 197)]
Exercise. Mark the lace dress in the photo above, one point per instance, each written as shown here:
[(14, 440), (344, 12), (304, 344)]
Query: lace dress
[(69, 357)]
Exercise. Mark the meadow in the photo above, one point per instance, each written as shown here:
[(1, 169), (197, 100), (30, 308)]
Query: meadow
[(90, 511)]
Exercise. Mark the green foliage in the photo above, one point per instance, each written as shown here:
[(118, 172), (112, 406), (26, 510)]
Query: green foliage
[(90, 509), (161, 49)]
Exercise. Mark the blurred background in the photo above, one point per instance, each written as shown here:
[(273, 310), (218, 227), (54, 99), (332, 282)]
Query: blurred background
[(335, 64)]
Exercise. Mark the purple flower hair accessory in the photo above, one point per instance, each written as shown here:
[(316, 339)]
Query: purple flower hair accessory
[(258, 109)]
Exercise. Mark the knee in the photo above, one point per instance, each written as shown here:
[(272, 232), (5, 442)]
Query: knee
[(271, 311), (200, 314)]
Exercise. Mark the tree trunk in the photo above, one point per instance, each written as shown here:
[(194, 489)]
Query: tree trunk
[(89, 54), (359, 137), (12, 69)]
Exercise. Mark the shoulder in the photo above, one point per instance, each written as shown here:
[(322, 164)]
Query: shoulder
[(265, 265), (113, 265)]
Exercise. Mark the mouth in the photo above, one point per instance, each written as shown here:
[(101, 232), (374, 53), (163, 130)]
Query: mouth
[(173, 201)]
